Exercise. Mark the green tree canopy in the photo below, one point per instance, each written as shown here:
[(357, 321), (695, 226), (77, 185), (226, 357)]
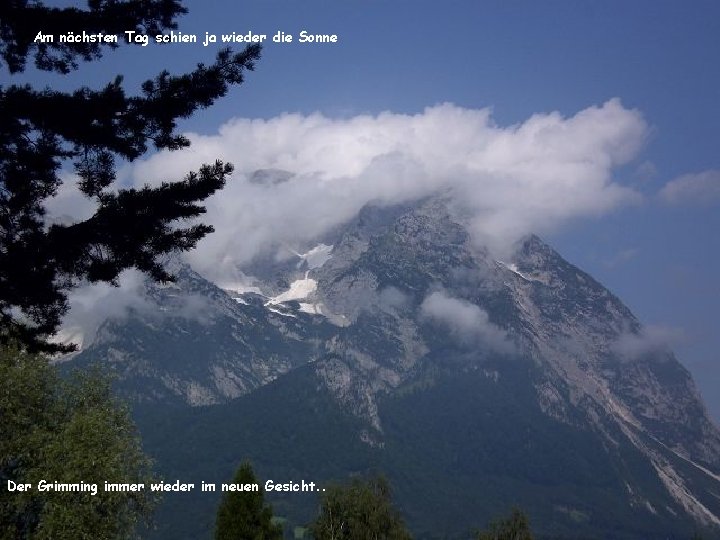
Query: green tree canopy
[(361, 510), (243, 515), (514, 527), (41, 131), (66, 431)]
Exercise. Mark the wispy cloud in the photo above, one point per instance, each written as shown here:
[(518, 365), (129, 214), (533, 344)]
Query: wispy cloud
[(619, 258), (467, 322), (701, 188), (650, 339), (92, 305)]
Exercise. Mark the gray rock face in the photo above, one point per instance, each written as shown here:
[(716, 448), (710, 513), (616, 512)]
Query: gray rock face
[(200, 345), (405, 294), (557, 316)]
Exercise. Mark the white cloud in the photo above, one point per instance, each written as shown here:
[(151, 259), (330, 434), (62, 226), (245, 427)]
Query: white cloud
[(69, 204), (467, 322), (507, 181), (391, 298), (318, 172), (696, 188), (650, 339), (91, 305)]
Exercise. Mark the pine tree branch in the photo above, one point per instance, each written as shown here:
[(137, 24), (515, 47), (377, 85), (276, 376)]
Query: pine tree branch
[(20, 21)]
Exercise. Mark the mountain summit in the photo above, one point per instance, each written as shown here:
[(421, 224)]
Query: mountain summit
[(475, 383)]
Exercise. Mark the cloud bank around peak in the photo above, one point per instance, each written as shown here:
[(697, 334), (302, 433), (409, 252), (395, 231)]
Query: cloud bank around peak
[(508, 181)]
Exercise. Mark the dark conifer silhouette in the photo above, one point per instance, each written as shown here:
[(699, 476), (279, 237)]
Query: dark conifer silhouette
[(244, 514), (42, 130)]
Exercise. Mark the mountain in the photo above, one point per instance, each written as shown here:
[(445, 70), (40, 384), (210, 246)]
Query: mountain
[(474, 383)]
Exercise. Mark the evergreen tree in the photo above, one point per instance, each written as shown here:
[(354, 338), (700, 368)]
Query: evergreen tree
[(243, 515), (42, 130), (514, 527), (69, 431), (361, 510)]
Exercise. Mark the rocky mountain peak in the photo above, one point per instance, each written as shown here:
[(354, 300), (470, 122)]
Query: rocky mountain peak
[(401, 306)]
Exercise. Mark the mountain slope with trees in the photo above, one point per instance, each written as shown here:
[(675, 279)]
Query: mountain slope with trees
[(475, 384)]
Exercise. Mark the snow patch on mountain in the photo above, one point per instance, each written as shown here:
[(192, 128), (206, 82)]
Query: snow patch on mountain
[(513, 268), (312, 309), (299, 290), (317, 256), (239, 288), (280, 312)]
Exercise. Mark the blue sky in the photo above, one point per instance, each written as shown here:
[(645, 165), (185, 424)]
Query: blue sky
[(659, 254)]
